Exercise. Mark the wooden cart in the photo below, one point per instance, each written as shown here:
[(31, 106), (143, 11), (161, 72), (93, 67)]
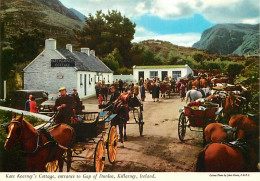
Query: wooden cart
[(192, 117), (96, 136)]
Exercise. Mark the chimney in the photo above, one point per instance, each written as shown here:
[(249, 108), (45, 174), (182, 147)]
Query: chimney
[(69, 47), (85, 50), (92, 52), (50, 44)]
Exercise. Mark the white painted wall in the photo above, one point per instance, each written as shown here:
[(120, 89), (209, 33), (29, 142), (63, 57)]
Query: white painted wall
[(184, 72), (39, 75)]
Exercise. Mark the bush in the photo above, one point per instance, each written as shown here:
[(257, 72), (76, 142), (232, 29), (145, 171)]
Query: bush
[(124, 71), (198, 56), (235, 68)]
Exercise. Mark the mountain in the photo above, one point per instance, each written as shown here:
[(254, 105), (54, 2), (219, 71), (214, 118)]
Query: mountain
[(57, 6), (164, 47), (78, 14), (228, 39), (48, 16)]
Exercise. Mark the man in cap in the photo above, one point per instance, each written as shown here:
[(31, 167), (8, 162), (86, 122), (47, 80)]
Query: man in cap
[(76, 101), (65, 105)]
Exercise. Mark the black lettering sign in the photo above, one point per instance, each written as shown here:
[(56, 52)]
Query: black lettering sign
[(62, 63)]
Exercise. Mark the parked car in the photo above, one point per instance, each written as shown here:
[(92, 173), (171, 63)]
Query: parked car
[(47, 107), (19, 97)]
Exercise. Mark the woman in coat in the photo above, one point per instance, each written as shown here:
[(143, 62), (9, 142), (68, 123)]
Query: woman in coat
[(142, 92), (154, 88)]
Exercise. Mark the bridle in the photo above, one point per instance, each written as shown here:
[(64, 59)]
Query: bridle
[(27, 139)]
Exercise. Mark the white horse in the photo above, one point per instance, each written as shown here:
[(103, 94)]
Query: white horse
[(193, 95)]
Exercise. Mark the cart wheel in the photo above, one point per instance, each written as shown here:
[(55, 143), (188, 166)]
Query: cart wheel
[(182, 127), (99, 156), (140, 123), (51, 166), (112, 144)]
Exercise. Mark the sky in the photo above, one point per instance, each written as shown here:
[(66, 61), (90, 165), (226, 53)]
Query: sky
[(181, 22)]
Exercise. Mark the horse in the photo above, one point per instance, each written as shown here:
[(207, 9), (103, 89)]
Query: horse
[(222, 155), (193, 95), (240, 126), (203, 83), (218, 80), (39, 146), (120, 107), (196, 83), (229, 104), (226, 157)]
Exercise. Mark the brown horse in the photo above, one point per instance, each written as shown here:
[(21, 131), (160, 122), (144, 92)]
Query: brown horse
[(196, 83), (218, 157), (224, 157), (229, 104), (37, 146), (245, 128), (203, 83)]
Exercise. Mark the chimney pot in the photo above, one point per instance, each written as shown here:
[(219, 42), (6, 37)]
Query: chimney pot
[(50, 44), (92, 52), (69, 47), (85, 50)]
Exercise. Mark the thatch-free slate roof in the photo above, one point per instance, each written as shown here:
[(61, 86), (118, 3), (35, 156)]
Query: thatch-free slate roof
[(84, 62)]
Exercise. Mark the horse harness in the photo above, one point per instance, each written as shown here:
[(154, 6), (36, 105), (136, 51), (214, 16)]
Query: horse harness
[(231, 132), (51, 143)]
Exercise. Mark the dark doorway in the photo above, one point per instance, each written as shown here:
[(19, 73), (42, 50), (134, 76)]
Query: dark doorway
[(164, 74), (85, 84), (140, 74)]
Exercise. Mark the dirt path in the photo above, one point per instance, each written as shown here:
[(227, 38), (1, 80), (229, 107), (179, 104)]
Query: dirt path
[(159, 149)]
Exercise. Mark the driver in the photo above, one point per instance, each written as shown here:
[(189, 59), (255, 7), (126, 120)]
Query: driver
[(65, 105)]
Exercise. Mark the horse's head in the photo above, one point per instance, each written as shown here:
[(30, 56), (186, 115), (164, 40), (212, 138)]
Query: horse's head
[(14, 132)]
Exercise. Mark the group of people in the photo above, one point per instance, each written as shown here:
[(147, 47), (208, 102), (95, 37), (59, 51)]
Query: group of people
[(66, 105), (30, 105)]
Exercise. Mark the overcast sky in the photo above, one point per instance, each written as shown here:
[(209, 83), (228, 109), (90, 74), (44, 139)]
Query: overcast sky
[(179, 21)]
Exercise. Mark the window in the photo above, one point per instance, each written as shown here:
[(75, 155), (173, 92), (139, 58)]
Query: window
[(80, 79), (89, 79), (176, 74), (108, 78), (153, 74)]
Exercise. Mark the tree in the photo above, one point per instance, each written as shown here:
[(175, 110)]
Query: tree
[(111, 60), (173, 57), (105, 32), (198, 56), (27, 44)]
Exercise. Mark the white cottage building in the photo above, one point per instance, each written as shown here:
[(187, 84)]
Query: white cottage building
[(54, 68), (160, 71)]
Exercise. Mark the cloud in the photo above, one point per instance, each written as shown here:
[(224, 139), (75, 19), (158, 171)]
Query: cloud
[(216, 11), (180, 39)]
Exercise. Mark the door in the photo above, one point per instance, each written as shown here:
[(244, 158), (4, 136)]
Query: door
[(140, 74), (85, 84), (164, 74)]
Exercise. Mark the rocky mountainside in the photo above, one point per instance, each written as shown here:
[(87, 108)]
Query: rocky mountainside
[(55, 20), (57, 6), (78, 14), (228, 39)]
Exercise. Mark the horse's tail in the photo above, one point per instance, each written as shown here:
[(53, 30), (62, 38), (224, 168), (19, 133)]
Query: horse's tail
[(200, 165), (187, 97)]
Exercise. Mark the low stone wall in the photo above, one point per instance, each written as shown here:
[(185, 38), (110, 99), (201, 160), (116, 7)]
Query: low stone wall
[(125, 78), (40, 116)]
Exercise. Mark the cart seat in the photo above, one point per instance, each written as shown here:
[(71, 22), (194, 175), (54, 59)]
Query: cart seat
[(198, 117)]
